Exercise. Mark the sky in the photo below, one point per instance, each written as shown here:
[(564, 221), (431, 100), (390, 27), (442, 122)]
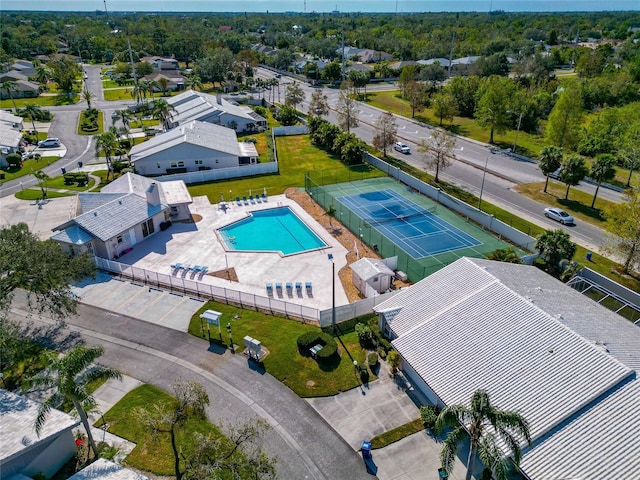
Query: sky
[(275, 6)]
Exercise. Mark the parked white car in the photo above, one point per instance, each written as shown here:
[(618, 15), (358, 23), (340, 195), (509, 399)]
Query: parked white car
[(558, 215), (401, 147), (49, 143)]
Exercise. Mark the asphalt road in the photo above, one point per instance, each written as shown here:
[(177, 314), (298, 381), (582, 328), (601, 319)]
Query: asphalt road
[(503, 172), (305, 446), (473, 158)]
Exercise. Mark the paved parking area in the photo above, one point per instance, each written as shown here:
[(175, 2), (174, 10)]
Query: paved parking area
[(139, 301)]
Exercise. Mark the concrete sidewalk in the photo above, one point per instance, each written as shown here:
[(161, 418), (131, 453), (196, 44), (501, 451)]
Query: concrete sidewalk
[(106, 396)]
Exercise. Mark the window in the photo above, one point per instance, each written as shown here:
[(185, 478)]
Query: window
[(375, 279), (181, 164), (198, 162), (119, 238), (148, 228), (158, 164), (174, 164), (217, 160)]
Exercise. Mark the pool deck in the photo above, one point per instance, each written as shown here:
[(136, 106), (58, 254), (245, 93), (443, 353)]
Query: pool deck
[(199, 244)]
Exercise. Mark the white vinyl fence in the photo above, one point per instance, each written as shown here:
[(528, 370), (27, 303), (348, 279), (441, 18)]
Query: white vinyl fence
[(222, 173)]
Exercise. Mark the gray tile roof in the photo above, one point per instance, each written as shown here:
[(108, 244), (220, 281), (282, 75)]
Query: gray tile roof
[(9, 137), (17, 418), (92, 200), (103, 469), (117, 216), (193, 105), (73, 235), (202, 134)]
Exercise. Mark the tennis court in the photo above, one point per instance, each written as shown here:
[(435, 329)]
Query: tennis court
[(413, 228), (397, 221)]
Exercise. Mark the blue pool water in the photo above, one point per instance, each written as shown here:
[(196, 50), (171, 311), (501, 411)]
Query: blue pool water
[(272, 230)]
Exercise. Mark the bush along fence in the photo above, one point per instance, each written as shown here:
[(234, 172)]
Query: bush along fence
[(252, 301)]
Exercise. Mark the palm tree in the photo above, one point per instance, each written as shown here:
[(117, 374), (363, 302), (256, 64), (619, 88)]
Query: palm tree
[(87, 96), (125, 115), (194, 82), (506, 255), (42, 178), (10, 86), (33, 111), (549, 161), (69, 376), (163, 111), (106, 143), (42, 75), (508, 427)]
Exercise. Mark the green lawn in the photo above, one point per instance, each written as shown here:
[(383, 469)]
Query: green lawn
[(58, 182), (118, 94), (278, 335), (398, 433), (578, 204), (100, 122), (41, 101), (151, 455), (34, 193), (297, 156), (528, 144), (28, 167)]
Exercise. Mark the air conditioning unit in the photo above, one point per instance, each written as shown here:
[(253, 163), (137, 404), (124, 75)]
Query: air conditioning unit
[(400, 275)]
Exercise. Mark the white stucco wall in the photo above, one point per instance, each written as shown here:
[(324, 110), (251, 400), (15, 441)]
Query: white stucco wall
[(158, 163)]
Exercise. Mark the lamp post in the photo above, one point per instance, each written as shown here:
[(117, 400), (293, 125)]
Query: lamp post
[(230, 339), (484, 174), (355, 367), (333, 292), (515, 142)]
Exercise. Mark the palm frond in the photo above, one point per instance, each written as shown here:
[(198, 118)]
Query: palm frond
[(450, 447)]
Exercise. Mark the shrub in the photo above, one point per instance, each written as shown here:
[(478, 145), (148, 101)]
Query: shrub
[(429, 415), (14, 159), (329, 350), (365, 336), (309, 339), (382, 353), (372, 359), (251, 140), (37, 156), (364, 374), (385, 344)]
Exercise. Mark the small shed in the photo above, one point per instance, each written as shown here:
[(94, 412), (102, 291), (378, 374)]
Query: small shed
[(371, 276)]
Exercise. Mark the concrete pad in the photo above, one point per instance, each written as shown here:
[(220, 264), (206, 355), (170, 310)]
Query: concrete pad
[(110, 393), (41, 217)]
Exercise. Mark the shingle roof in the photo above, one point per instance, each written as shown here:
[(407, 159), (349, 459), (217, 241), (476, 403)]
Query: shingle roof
[(193, 105), (203, 134), (17, 417)]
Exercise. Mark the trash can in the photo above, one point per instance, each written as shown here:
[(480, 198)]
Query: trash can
[(442, 474), (366, 449), (589, 254)]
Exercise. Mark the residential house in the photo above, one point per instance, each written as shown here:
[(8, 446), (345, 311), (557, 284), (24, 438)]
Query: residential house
[(359, 67), (22, 88), (162, 64), (25, 67), (537, 346), (444, 62), (464, 65), (400, 65), (371, 276), (264, 49), (192, 105), (103, 469), (23, 452), (12, 76), (192, 147), (364, 55), (175, 81), (10, 135), (125, 212)]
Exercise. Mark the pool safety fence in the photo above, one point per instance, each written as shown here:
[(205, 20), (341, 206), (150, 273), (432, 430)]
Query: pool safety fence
[(270, 305), (222, 173)]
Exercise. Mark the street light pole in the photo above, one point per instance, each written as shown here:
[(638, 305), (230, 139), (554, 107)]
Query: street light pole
[(515, 142), (484, 174), (333, 292)]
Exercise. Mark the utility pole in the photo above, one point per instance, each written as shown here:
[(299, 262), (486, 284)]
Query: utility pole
[(133, 72), (342, 72)]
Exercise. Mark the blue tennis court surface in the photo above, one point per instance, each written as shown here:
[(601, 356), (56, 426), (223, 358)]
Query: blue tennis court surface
[(413, 228)]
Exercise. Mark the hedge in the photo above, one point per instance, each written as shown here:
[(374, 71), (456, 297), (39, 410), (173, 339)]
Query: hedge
[(309, 339)]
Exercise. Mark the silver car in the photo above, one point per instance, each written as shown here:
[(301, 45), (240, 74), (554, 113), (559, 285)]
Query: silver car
[(558, 215)]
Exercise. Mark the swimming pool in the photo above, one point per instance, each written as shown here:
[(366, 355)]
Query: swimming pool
[(272, 230)]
